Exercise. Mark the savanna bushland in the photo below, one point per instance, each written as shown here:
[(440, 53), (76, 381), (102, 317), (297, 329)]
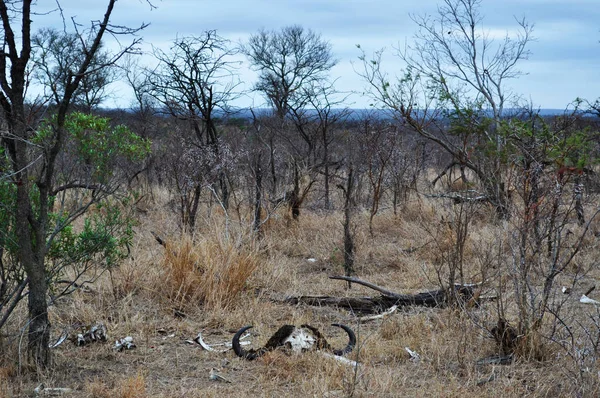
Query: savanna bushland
[(183, 214)]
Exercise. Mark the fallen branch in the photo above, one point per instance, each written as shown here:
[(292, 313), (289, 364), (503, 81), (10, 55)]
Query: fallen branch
[(387, 299), (366, 305), (365, 283)]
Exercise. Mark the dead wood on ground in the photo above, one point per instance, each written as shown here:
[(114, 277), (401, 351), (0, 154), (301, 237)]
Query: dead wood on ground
[(387, 299)]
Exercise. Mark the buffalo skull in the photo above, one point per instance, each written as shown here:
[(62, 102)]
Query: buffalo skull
[(298, 339)]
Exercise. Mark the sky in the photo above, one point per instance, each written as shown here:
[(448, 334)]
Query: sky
[(564, 63)]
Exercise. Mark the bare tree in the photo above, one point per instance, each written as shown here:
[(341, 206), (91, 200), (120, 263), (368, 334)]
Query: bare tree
[(56, 54), (137, 78), (378, 141), (33, 169), (310, 139), (194, 82), (407, 162), (456, 69), (329, 113), (287, 61)]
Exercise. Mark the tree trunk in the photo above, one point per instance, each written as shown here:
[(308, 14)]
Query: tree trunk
[(258, 197), (224, 190), (326, 171), (39, 326), (32, 259), (578, 194), (193, 210), (348, 235), (295, 201), (272, 162), (30, 232)]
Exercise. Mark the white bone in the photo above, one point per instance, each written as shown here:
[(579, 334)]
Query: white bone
[(586, 300)]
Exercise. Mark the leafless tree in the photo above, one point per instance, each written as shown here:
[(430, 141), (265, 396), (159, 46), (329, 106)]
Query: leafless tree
[(56, 54), (287, 61), (137, 78), (379, 144), (142, 118), (193, 82), (457, 70), (407, 162), (329, 113)]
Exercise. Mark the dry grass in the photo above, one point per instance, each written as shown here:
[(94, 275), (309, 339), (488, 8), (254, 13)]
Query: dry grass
[(224, 278), (207, 271)]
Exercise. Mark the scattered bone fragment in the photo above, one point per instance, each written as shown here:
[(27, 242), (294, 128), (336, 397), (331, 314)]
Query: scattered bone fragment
[(586, 300), (414, 356), (42, 391), (369, 318), (199, 340), (338, 358), (215, 376), (95, 333), (125, 343), (61, 339)]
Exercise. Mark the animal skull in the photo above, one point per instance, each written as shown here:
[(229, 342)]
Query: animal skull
[(298, 339)]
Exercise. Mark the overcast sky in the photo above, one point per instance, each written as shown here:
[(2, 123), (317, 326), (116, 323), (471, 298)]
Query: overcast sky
[(564, 64)]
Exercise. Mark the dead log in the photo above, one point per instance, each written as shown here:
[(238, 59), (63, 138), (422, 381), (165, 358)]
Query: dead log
[(387, 299), (363, 305), (431, 298)]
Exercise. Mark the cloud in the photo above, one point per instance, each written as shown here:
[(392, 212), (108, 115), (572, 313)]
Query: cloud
[(567, 33)]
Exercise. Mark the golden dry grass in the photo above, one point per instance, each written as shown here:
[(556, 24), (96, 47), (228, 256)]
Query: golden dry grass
[(208, 271), (224, 278)]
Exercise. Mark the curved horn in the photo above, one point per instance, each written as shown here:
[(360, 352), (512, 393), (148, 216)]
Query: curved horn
[(351, 340), (239, 351)]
